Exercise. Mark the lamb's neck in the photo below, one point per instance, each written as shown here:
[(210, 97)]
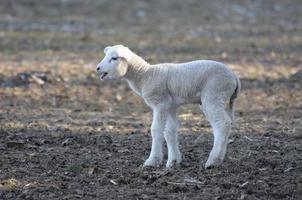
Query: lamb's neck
[(137, 72), (137, 66)]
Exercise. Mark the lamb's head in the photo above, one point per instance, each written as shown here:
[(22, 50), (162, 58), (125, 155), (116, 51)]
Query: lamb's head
[(115, 63)]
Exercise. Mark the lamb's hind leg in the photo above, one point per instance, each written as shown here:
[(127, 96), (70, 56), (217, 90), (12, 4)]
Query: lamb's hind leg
[(221, 123)]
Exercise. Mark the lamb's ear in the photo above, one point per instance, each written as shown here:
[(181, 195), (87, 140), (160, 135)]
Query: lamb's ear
[(106, 49), (124, 52)]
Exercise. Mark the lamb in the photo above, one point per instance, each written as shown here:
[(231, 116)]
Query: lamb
[(164, 87)]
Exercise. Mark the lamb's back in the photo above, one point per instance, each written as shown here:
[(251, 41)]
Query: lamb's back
[(187, 80)]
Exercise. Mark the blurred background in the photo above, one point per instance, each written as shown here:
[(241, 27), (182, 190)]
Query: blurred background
[(49, 89)]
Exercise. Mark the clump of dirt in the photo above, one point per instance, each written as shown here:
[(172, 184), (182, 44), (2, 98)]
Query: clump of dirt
[(296, 77), (24, 79)]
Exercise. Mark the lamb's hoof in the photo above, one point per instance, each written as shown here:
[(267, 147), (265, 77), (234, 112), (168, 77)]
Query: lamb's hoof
[(153, 162), (174, 162), (213, 163)]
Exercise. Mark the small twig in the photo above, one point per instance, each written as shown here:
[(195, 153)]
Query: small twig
[(288, 169), (231, 140), (113, 182), (190, 180), (198, 139), (186, 182), (175, 183), (244, 184), (38, 80), (249, 139)]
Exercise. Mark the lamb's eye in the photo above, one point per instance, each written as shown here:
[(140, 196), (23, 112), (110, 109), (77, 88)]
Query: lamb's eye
[(114, 58)]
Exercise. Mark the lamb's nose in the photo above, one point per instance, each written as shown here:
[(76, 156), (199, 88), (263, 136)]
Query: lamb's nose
[(98, 68)]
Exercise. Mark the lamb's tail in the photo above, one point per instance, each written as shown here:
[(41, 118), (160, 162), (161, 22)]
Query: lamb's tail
[(233, 98)]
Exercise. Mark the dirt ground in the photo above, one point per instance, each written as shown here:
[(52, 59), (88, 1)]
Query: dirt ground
[(64, 134)]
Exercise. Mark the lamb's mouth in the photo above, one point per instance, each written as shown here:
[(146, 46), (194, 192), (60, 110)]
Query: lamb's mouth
[(103, 75)]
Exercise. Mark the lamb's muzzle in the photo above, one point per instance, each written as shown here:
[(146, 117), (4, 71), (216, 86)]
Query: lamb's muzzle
[(165, 87), (103, 75)]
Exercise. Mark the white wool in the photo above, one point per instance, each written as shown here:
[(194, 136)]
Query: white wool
[(165, 87)]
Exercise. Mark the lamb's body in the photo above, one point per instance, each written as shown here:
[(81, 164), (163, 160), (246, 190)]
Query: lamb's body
[(165, 87), (184, 82)]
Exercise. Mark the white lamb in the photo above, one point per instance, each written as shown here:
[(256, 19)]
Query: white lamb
[(165, 87)]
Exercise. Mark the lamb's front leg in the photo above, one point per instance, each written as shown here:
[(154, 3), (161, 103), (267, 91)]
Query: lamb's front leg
[(170, 134), (157, 129)]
